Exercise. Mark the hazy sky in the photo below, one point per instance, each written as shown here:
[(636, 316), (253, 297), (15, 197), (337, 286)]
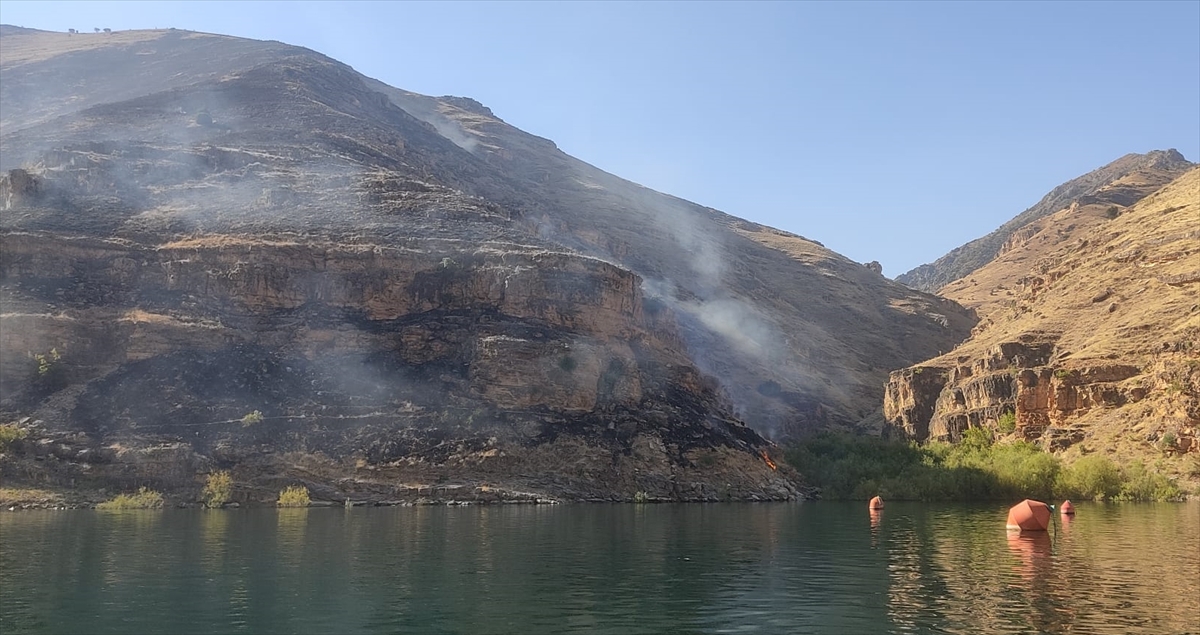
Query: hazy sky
[(890, 132)]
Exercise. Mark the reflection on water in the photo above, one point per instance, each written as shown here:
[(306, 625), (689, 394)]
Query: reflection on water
[(778, 568), (962, 573), (1033, 550)]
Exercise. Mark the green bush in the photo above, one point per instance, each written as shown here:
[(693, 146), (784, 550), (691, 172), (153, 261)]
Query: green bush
[(49, 375), (1007, 423), (1021, 469), (1090, 478), (143, 499), (641, 497), (10, 434), (45, 362), (218, 489), (1141, 484), (296, 496), (977, 468), (252, 418), (850, 467), (1168, 440), (976, 440)]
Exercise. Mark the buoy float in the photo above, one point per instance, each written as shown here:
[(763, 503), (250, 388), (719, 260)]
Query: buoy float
[(876, 503), (1029, 515), (1068, 509)]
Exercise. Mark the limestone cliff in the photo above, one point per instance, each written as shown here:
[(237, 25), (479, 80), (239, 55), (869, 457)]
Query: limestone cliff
[(1097, 347)]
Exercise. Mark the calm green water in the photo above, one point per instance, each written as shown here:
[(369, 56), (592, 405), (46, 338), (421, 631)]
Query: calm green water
[(754, 568)]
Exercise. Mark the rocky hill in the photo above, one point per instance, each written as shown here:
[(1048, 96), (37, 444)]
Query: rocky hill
[(225, 253), (995, 285), (1120, 183), (1094, 345)]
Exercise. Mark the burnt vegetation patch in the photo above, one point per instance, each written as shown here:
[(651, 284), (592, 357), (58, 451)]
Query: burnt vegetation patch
[(198, 396)]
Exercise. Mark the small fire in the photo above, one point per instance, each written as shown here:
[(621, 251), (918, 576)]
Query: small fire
[(770, 463)]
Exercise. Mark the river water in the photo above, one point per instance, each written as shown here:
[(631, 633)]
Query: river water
[(721, 568)]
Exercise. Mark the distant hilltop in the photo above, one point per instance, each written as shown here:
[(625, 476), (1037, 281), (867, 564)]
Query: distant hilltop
[(961, 261)]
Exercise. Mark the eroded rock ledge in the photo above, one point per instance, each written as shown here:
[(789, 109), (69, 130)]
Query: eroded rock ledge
[(1050, 398)]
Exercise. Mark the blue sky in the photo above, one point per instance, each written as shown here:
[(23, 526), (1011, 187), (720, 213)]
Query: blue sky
[(887, 131)]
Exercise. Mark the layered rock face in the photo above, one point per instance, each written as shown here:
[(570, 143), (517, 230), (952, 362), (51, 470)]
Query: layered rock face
[(413, 366), (1097, 350)]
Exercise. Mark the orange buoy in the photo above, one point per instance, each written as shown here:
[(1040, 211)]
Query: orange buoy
[(876, 503), (1068, 509), (1029, 515)]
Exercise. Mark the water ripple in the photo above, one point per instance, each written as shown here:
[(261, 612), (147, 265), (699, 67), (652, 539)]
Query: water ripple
[(769, 568)]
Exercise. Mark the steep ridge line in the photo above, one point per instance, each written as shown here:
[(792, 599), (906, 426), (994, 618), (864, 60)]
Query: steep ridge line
[(962, 261)]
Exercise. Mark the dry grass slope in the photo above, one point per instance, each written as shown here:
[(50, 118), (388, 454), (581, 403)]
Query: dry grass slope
[(1131, 261), (1121, 182), (1117, 303)]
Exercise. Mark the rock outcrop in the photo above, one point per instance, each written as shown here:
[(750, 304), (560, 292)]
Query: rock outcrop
[(18, 188)]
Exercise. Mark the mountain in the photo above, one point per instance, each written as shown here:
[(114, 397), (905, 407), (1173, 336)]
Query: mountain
[(1090, 337), (221, 252), (992, 287), (1119, 183)]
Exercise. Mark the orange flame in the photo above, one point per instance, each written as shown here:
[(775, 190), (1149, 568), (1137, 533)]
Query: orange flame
[(770, 463)]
